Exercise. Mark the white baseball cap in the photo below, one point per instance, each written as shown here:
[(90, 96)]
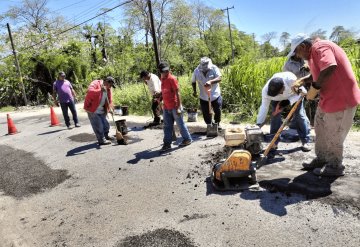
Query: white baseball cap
[(297, 40)]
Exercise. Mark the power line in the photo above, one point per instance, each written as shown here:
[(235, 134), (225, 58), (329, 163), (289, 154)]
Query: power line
[(71, 28)]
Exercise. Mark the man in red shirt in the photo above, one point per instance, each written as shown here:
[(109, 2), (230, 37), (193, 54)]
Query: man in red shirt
[(334, 79), (172, 108), (98, 101)]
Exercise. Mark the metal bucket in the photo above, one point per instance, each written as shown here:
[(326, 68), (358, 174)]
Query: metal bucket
[(125, 110), (121, 126)]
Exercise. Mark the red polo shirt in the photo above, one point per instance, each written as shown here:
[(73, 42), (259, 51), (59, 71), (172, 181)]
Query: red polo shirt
[(169, 85), (341, 90)]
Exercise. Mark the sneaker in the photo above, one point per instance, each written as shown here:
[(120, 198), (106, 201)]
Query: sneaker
[(165, 148), (315, 163), (109, 138), (306, 147), (185, 143), (106, 142), (77, 125), (330, 171), (69, 127)]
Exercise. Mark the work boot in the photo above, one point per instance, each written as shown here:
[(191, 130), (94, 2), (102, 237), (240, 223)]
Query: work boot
[(106, 142), (165, 148), (122, 142), (306, 147), (185, 143), (109, 138), (315, 163), (330, 171)]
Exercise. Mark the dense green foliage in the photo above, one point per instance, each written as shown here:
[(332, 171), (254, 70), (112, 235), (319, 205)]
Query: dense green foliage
[(186, 31)]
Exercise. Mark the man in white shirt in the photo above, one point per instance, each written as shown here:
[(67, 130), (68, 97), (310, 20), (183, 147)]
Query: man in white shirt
[(208, 77), (277, 92), (154, 84)]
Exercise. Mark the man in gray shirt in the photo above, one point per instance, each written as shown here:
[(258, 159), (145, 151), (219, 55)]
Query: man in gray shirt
[(208, 77)]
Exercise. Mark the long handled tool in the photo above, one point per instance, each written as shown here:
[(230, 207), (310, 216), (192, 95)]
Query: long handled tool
[(119, 137), (212, 129), (287, 119)]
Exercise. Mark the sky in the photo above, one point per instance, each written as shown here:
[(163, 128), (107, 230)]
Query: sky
[(251, 16)]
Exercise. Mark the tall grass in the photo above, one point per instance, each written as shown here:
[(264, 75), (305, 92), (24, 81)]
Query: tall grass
[(243, 83)]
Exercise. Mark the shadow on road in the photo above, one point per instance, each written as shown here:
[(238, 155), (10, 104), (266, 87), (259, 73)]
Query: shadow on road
[(82, 149), (50, 132), (282, 192)]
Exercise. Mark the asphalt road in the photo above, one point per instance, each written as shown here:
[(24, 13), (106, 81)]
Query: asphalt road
[(58, 188)]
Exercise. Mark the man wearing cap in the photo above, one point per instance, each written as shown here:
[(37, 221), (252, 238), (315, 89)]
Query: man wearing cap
[(277, 92), (334, 79), (98, 101), (208, 77), (173, 111), (66, 94), (154, 84)]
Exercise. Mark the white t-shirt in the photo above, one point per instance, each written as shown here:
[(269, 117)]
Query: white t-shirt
[(199, 77), (154, 84), (288, 78), (101, 108)]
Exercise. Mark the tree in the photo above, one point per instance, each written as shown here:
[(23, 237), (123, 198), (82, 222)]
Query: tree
[(318, 34), (267, 37), (284, 39), (339, 33)]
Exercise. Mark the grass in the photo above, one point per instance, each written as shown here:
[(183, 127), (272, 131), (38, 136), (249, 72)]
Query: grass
[(7, 109)]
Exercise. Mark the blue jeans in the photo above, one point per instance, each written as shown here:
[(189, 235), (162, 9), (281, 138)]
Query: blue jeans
[(69, 105), (170, 116), (100, 125), (299, 118), (216, 105)]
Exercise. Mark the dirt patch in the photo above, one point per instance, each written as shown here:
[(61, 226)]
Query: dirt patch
[(193, 217), (23, 175), (83, 137), (159, 238)]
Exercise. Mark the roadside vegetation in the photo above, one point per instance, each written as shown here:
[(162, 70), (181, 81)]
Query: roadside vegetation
[(186, 31)]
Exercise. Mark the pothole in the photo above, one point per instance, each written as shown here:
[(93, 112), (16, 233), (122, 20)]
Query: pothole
[(83, 137)]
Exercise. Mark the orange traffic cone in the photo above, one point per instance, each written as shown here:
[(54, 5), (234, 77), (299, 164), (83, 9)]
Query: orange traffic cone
[(11, 126), (53, 118)]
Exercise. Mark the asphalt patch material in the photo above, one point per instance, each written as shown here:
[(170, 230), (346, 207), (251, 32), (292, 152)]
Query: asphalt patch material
[(24, 175), (83, 137), (159, 238)]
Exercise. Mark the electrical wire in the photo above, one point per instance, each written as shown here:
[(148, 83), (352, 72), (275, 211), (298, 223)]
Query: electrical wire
[(69, 29)]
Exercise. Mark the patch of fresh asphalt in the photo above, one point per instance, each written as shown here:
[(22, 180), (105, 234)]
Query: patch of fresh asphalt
[(24, 175), (157, 238), (125, 192)]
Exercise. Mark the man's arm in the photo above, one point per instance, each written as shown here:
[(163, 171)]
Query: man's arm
[(215, 80), (54, 95), (324, 76)]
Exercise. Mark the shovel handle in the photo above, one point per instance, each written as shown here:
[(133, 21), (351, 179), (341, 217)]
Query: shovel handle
[(288, 117)]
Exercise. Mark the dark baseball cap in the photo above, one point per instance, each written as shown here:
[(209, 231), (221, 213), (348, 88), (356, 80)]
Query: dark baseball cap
[(62, 73), (163, 67), (275, 86), (111, 80)]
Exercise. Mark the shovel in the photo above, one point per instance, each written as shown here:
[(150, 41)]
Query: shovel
[(264, 157), (119, 137), (212, 129)]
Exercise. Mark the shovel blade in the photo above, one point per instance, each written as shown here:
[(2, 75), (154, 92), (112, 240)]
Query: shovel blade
[(261, 162), (212, 130)]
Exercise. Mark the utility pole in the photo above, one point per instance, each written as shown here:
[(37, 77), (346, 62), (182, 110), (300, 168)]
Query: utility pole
[(153, 34), (231, 41), (17, 65)]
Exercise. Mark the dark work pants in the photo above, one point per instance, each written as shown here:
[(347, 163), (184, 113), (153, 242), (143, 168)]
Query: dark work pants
[(216, 105), (156, 109), (64, 107)]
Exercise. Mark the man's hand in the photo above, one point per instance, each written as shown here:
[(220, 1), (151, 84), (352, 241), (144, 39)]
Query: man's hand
[(280, 107), (56, 103), (312, 93)]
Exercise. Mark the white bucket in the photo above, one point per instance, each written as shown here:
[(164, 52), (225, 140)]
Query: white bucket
[(192, 116)]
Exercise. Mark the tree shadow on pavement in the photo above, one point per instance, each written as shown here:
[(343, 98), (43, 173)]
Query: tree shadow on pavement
[(82, 149), (282, 192)]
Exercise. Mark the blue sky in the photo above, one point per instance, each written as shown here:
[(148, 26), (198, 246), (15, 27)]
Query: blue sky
[(251, 16)]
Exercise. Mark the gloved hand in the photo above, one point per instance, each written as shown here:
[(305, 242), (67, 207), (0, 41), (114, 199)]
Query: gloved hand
[(296, 85), (313, 91)]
